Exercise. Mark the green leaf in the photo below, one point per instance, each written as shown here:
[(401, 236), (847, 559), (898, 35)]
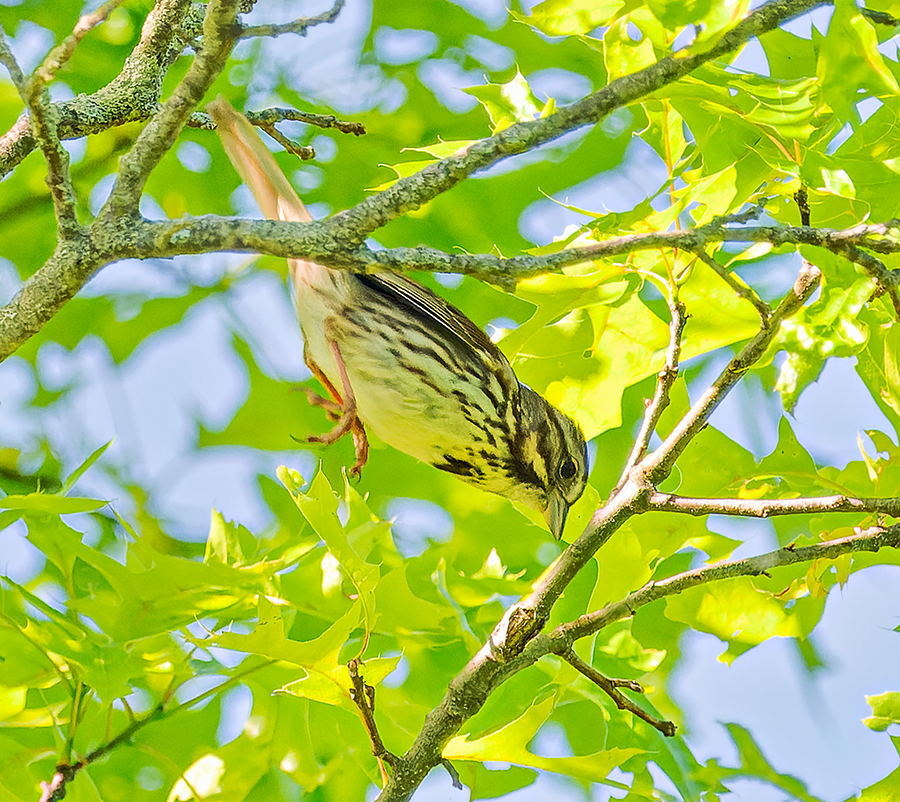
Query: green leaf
[(224, 542), (41, 503), (566, 17), (677, 13), (885, 711), (490, 783), (79, 471), (849, 60), (891, 392), (828, 328), (884, 790), (268, 639), (507, 103), (333, 687), (754, 764), (509, 744), (348, 546), (735, 611)]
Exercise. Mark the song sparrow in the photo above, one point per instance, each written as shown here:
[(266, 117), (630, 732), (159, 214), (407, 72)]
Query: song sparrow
[(397, 358)]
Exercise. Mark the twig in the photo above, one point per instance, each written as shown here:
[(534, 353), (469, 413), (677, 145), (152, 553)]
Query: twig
[(767, 508), (200, 119), (611, 688), (880, 17), (275, 115), (454, 774), (301, 151), (664, 381), (8, 60), (299, 26), (802, 199), (740, 289), (44, 120), (60, 54), (363, 696), (659, 464), (738, 218), (56, 789), (65, 772)]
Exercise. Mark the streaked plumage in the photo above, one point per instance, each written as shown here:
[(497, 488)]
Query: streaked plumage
[(418, 372)]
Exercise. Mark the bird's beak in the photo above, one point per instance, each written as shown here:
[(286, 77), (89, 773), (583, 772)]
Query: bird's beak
[(555, 514)]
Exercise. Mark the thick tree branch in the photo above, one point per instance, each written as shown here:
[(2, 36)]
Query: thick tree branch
[(415, 191), (132, 96), (68, 269), (320, 241), (219, 27)]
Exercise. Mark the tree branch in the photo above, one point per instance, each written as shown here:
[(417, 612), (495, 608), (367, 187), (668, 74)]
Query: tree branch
[(740, 289), (664, 381), (299, 26), (767, 508), (320, 242), (363, 696), (132, 96), (44, 122), (300, 151), (611, 688), (68, 269), (269, 117), (55, 790), (556, 642), (219, 26), (413, 192), (659, 464)]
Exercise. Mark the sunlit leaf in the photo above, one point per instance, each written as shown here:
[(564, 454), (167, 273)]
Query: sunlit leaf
[(509, 744)]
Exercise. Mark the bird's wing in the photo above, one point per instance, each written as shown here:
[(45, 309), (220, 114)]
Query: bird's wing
[(429, 306)]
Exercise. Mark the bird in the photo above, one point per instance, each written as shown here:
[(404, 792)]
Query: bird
[(399, 360)]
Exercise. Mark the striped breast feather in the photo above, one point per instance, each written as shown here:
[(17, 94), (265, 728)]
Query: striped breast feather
[(431, 309)]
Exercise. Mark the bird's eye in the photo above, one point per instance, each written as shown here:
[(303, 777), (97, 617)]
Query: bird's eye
[(567, 469)]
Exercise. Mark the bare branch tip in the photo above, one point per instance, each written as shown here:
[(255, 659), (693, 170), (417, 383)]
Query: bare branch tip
[(454, 774), (299, 26)]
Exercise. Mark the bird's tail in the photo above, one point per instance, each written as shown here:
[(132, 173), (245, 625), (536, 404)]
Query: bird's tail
[(256, 165)]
